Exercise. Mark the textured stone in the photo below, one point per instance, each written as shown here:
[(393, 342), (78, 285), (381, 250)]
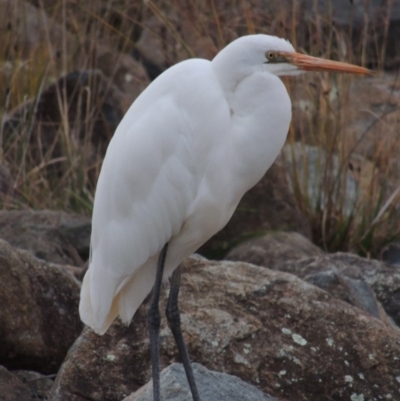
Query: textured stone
[(274, 248), (212, 386), (38, 384), (288, 337), (280, 248), (51, 235), (39, 315), (12, 388), (382, 278)]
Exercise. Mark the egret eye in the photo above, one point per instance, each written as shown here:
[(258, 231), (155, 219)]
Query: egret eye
[(271, 56)]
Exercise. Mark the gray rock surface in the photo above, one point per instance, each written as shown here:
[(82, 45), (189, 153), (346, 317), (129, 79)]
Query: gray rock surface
[(285, 250), (12, 388), (39, 311), (354, 291), (53, 236), (274, 248), (273, 330), (383, 279), (38, 384), (213, 386)]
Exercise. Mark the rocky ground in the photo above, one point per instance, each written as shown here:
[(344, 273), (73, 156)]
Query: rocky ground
[(275, 318), (278, 313)]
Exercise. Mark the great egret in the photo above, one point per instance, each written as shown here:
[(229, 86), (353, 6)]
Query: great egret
[(189, 147)]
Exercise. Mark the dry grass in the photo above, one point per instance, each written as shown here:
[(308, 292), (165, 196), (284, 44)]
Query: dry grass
[(70, 39)]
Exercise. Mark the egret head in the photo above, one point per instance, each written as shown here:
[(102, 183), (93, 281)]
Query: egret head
[(276, 56)]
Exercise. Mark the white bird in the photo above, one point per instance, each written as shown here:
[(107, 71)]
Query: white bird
[(201, 135)]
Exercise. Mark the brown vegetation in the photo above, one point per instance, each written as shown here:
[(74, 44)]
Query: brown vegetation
[(54, 158)]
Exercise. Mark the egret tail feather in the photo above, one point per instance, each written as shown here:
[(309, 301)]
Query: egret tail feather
[(124, 301)]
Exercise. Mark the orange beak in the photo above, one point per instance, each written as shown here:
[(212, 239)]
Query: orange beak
[(309, 63)]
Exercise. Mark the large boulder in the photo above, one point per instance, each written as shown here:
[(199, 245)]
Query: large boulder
[(38, 384), (273, 249), (12, 388), (382, 278), (339, 274), (39, 314), (271, 329), (51, 235)]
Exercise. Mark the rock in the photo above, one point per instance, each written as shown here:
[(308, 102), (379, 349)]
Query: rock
[(54, 236), (39, 315), (108, 367), (355, 292), (268, 206), (212, 386), (38, 384), (280, 248), (355, 273), (286, 251), (12, 388), (273, 249), (273, 330)]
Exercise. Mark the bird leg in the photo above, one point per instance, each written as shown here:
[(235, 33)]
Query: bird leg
[(174, 322), (153, 319)]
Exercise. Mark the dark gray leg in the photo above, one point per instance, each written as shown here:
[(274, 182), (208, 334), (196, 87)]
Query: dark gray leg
[(153, 319), (174, 321)]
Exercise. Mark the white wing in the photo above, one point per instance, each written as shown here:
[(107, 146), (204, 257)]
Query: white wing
[(149, 180)]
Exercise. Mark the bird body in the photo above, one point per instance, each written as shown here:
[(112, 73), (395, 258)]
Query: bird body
[(189, 147)]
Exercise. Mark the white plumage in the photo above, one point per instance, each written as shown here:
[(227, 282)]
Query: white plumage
[(189, 147)]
